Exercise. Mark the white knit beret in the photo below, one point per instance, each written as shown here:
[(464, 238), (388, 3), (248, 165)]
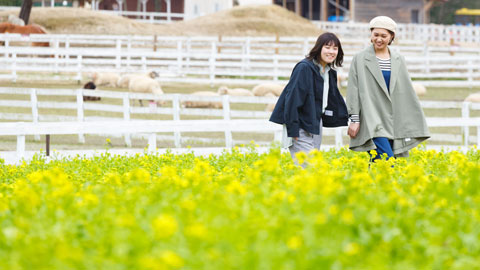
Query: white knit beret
[(383, 22)]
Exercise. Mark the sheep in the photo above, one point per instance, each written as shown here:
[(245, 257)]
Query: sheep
[(264, 88), (475, 97), (125, 79), (420, 90), (143, 84), (15, 20), (270, 106), (203, 104), (105, 78), (92, 86), (223, 90)]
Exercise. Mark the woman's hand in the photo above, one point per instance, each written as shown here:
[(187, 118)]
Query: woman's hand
[(295, 138), (353, 129)]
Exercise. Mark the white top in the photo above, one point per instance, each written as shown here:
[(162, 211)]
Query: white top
[(326, 83)]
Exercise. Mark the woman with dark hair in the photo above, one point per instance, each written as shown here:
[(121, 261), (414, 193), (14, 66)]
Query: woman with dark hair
[(311, 99), (384, 109)]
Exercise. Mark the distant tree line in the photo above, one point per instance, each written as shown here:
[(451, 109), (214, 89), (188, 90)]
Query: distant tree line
[(444, 12), (11, 3)]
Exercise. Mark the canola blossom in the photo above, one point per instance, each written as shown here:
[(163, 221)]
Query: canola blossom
[(242, 211)]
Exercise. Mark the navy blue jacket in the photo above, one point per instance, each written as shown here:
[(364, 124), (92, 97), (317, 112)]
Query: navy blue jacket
[(300, 104)]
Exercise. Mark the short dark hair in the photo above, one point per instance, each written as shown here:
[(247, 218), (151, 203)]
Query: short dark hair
[(326, 39)]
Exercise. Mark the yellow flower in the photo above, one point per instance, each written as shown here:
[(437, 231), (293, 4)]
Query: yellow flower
[(320, 219), (294, 242), (333, 210), (347, 217), (164, 226), (172, 259), (301, 157), (197, 231), (351, 249)]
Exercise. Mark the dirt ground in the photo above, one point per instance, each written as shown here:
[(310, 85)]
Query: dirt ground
[(243, 20)]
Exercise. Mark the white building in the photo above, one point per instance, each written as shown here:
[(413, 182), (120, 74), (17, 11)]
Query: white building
[(196, 8)]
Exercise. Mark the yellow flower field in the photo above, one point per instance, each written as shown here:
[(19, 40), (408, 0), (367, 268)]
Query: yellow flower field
[(242, 211)]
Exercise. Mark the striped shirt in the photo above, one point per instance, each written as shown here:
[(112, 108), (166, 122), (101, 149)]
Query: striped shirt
[(385, 64)]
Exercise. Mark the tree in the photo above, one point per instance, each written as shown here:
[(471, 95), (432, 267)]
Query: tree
[(427, 6), (25, 11), (444, 12)]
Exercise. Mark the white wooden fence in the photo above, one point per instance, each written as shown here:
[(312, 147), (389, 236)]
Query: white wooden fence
[(28, 105), (20, 130), (213, 59), (423, 32)]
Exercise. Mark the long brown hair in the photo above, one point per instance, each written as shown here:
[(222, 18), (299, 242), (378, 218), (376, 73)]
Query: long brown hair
[(326, 39)]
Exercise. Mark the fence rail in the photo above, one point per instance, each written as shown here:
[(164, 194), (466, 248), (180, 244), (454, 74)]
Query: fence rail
[(213, 59), (44, 105), (423, 32)]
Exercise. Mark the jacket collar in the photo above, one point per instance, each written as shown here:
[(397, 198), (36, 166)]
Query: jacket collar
[(316, 68), (312, 66), (374, 68)]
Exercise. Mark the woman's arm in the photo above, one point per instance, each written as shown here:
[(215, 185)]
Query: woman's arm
[(353, 100), (295, 97)]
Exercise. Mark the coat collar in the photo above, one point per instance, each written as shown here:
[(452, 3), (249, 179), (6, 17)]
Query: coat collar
[(374, 68), (316, 68)]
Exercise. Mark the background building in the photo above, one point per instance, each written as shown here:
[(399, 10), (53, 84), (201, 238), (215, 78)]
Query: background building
[(402, 11)]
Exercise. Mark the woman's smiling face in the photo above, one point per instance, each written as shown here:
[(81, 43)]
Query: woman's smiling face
[(329, 53), (380, 38)]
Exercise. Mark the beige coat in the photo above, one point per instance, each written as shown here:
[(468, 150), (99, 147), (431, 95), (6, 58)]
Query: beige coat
[(396, 115)]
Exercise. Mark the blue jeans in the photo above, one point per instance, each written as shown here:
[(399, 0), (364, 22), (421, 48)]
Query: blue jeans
[(384, 145)]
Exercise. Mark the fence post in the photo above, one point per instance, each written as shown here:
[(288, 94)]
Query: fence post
[(338, 137), (57, 46), (470, 73), (79, 67), (466, 114), (478, 136), (247, 53), (129, 47), (176, 117), (126, 117), (144, 63), (305, 46), (80, 113), (152, 142), (154, 43), (226, 117), (118, 62), (67, 47), (188, 49), (213, 55), (426, 53), (14, 66), (34, 105), (179, 55), (275, 67), (20, 146)]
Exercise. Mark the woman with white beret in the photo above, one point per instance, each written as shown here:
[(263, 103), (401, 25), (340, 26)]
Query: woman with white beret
[(385, 113)]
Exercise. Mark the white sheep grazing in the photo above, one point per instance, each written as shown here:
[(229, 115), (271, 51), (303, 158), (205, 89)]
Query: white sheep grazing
[(475, 97), (270, 106), (203, 104), (420, 90), (124, 80), (15, 20), (105, 78), (265, 88), (144, 84), (223, 90)]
